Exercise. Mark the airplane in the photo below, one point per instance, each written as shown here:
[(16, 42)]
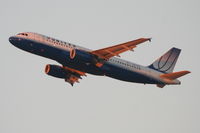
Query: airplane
[(76, 61)]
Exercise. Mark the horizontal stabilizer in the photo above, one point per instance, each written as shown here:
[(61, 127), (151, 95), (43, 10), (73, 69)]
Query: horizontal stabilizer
[(174, 75)]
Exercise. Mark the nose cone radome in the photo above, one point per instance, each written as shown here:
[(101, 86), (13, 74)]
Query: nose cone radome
[(11, 39), (14, 41)]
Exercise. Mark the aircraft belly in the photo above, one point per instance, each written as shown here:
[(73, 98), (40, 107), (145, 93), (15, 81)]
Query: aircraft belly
[(127, 75)]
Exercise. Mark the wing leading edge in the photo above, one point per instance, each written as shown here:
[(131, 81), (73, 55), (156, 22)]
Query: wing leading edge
[(109, 52)]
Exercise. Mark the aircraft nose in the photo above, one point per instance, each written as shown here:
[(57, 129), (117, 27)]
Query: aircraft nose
[(11, 39)]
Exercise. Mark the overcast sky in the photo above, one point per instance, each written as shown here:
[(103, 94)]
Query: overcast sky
[(33, 102)]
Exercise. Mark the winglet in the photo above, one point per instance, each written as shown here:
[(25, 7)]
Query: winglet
[(174, 75)]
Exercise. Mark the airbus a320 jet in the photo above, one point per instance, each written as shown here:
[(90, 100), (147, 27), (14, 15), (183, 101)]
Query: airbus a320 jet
[(76, 61)]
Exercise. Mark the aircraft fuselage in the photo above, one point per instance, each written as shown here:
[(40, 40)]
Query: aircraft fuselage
[(83, 61)]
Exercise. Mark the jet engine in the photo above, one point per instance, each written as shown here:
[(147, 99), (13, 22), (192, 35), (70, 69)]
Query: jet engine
[(72, 53), (69, 75), (55, 71)]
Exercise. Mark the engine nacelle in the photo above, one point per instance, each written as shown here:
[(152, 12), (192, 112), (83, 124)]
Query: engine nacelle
[(72, 53), (55, 71)]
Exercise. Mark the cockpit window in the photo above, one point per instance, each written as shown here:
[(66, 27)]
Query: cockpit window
[(23, 34)]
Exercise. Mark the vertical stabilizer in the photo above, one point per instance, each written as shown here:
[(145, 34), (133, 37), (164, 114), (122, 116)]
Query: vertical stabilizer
[(167, 62)]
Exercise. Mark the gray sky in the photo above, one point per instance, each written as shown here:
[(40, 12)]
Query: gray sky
[(31, 101)]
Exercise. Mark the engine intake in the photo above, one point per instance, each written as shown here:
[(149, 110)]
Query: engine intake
[(72, 53)]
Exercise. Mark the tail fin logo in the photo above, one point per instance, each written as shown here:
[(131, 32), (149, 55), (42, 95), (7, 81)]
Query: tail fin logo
[(166, 63)]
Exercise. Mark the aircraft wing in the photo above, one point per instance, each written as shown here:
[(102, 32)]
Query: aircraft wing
[(109, 52)]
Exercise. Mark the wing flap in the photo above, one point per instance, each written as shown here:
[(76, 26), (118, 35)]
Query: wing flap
[(73, 75), (74, 71)]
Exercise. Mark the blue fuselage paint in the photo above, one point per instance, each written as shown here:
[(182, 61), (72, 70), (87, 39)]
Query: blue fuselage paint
[(82, 61)]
